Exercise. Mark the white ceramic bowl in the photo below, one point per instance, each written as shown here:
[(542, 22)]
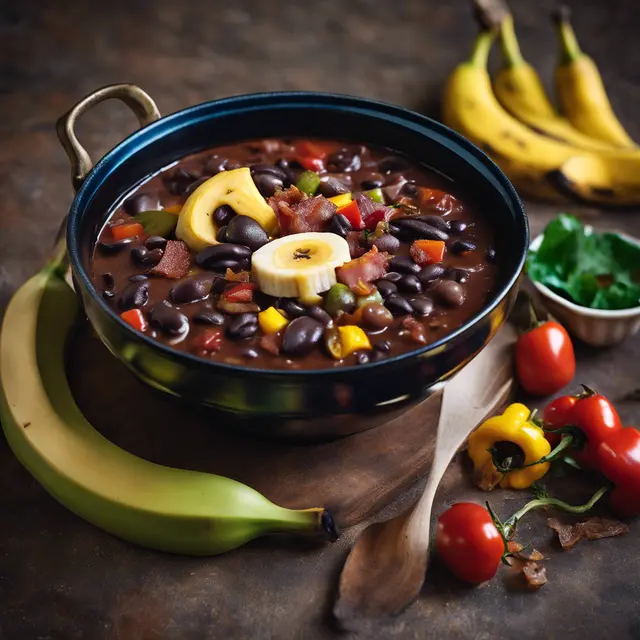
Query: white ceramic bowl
[(597, 327)]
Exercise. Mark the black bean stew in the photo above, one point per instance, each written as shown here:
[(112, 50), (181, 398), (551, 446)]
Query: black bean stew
[(295, 254)]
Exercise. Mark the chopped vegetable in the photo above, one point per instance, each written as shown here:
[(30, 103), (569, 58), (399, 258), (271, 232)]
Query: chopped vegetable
[(175, 209), (209, 340), (242, 292), (376, 195), (427, 251), (597, 270), (362, 301), (136, 319), (340, 299), (593, 528), (351, 212), (312, 164), (353, 338), (512, 440), (545, 361), (309, 181), (158, 223), (341, 199), (126, 230), (271, 320), (619, 461)]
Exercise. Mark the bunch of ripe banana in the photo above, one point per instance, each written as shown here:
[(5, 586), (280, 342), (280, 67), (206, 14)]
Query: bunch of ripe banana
[(584, 154), (159, 507)]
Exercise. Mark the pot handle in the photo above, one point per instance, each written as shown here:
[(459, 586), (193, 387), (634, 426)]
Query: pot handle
[(133, 96)]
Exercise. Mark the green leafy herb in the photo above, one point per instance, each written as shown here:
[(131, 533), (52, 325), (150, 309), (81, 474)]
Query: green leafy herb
[(597, 270), (158, 223)]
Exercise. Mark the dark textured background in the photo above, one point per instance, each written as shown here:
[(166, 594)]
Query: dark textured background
[(59, 577)]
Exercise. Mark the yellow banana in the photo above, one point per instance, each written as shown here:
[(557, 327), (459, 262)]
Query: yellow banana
[(581, 93), (520, 91), (470, 106), (159, 507)]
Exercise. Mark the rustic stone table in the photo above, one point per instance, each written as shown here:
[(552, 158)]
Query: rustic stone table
[(60, 578)]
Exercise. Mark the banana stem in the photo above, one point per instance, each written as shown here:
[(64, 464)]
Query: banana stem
[(510, 47), (481, 48), (569, 48)]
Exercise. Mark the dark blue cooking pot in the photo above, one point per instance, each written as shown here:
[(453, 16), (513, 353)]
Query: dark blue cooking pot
[(322, 403)]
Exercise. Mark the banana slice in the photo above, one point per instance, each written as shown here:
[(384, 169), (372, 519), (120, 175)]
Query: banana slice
[(235, 188), (299, 266)]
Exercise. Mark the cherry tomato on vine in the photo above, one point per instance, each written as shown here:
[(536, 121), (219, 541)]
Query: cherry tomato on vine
[(558, 413), (545, 361), (469, 543)]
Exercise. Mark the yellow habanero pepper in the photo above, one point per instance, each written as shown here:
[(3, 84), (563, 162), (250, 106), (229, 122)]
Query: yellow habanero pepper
[(513, 426)]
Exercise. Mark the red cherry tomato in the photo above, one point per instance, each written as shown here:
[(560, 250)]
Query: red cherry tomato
[(558, 413), (469, 543), (545, 361)]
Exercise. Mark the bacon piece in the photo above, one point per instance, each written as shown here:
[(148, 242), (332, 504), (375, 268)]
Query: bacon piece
[(590, 529), (366, 269), (175, 262), (298, 213), (416, 329), (354, 239), (534, 574), (272, 342), (373, 212)]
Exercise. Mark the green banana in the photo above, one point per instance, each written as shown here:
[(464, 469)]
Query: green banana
[(581, 92), (168, 509)]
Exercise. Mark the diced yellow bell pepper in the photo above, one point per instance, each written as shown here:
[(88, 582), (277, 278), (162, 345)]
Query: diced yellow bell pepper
[(271, 321), (174, 208), (353, 338), (341, 200)]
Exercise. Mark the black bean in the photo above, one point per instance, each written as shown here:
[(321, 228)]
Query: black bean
[(283, 163), (384, 346), (134, 296), (404, 264), (223, 215), (138, 277), (319, 314), (435, 221), (109, 280), (409, 283), (398, 305), (431, 272), (142, 202), (219, 253), (271, 169), (392, 276), (301, 335), (107, 294), (362, 358), (267, 183), (490, 255), (340, 225), (243, 230), (209, 317), (292, 308), (462, 246), (391, 164), (155, 242), (178, 181), (250, 353), (372, 183), (421, 306), (385, 242), (111, 248), (221, 234), (242, 326), (215, 165), (330, 187), (413, 229), (457, 226), (194, 185), (344, 160), (190, 290), (145, 258), (449, 292), (168, 319), (394, 230), (456, 274), (386, 288), (410, 189)]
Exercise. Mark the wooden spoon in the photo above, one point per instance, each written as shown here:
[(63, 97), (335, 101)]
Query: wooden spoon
[(386, 568)]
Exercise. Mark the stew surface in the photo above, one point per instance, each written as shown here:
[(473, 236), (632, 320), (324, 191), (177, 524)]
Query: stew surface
[(296, 254)]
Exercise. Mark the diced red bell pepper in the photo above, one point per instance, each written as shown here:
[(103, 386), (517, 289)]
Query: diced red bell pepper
[(208, 340), (126, 230), (431, 196), (242, 292), (351, 212), (427, 251), (135, 318), (379, 215), (312, 164), (312, 148)]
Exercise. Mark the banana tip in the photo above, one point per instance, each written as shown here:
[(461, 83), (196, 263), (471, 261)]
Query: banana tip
[(329, 526)]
